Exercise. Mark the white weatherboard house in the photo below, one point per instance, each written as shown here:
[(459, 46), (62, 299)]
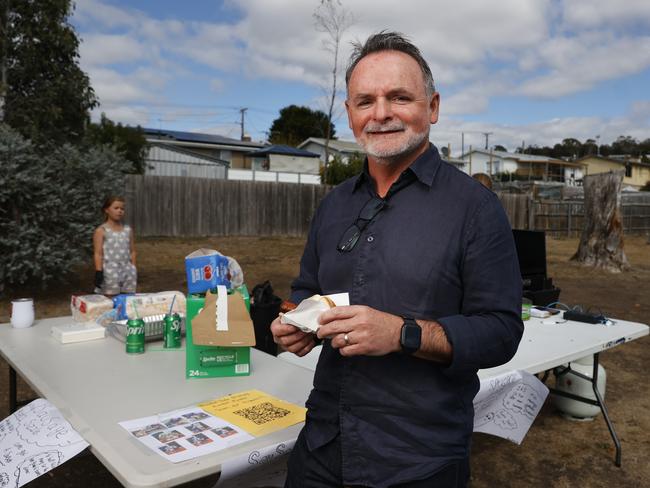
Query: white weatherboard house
[(344, 149), (285, 159), (523, 165)]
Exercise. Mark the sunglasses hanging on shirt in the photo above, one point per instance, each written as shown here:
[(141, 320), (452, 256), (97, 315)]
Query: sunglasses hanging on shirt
[(368, 213)]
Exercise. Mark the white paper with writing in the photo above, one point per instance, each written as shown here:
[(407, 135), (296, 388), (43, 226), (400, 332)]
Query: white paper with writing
[(265, 467), (34, 440), (506, 405)]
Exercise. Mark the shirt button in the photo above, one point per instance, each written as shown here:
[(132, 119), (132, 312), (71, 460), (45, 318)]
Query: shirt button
[(370, 238)]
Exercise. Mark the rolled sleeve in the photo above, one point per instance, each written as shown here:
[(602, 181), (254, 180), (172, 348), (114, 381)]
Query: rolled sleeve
[(487, 331), (306, 284)]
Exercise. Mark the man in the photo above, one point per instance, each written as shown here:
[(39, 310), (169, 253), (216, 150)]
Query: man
[(427, 256)]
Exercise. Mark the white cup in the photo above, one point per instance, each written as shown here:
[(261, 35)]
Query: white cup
[(22, 313)]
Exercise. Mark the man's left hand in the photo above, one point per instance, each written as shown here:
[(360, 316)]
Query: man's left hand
[(369, 332)]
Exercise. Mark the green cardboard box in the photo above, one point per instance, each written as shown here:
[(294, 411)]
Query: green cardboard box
[(210, 354)]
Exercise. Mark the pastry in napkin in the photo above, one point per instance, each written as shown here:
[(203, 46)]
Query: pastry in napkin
[(305, 315)]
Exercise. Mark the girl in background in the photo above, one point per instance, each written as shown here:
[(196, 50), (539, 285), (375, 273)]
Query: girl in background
[(114, 251)]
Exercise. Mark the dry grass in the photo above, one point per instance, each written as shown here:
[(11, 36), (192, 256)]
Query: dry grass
[(556, 452)]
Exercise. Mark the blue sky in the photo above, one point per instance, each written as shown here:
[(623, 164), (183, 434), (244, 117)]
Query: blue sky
[(525, 70)]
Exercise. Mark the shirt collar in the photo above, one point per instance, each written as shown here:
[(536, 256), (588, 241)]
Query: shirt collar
[(424, 167)]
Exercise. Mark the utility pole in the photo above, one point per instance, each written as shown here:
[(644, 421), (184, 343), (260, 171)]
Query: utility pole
[(242, 111), (598, 145), (487, 135), (462, 144)]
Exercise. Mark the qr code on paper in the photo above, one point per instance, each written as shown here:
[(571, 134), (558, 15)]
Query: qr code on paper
[(262, 413)]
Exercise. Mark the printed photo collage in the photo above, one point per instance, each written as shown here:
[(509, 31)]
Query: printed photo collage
[(185, 434)]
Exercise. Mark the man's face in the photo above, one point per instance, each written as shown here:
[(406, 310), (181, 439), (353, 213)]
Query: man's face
[(388, 110)]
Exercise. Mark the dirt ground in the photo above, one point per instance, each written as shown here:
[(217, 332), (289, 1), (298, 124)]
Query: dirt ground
[(555, 453)]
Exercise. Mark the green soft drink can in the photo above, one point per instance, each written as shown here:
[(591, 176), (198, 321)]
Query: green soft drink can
[(135, 336), (172, 331)]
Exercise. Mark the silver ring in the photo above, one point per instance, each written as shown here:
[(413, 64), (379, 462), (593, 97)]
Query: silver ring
[(346, 339)]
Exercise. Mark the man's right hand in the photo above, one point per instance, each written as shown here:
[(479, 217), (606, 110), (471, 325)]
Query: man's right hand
[(292, 338)]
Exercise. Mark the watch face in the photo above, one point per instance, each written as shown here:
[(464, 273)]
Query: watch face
[(411, 336)]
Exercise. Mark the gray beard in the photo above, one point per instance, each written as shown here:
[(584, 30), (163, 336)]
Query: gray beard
[(388, 158)]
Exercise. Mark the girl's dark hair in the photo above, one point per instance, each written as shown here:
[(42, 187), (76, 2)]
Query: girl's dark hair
[(109, 201)]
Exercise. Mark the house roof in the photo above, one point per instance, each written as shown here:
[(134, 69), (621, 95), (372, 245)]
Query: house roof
[(187, 152), (524, 158), (336, 144), (618, 161), (195, 137), (284, 150), (510, 155)]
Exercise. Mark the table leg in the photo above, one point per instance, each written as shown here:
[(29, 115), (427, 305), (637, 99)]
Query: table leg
[(599, 402), (12, 390), (603, 409)]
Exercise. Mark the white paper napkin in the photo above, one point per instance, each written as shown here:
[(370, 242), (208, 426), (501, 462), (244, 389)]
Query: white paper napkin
[(305, 315)]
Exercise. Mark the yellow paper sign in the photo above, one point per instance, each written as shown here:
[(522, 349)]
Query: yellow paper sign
[(256, 412)]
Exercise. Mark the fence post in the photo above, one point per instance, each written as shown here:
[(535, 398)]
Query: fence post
[(568, 227), (531, 214)]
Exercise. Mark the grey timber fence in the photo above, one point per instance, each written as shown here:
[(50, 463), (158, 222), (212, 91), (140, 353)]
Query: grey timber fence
[(565, 218), (183, 206), (178, 206)]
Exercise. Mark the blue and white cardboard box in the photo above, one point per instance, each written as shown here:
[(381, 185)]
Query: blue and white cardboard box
[(206, 269)]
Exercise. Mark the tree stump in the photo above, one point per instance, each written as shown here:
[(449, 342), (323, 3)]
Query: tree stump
[(601, 242)]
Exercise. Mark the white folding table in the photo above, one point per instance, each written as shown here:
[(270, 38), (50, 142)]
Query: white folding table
[(547, 344), (95, 385)]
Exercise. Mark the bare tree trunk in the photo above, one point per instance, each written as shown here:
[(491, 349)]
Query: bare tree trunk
[(601, 243), (332, 19)]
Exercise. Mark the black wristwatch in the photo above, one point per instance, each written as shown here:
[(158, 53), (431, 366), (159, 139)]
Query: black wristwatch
[(411, 336)]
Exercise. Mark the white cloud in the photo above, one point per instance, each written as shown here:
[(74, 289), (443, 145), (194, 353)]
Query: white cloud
[(544, 133), (578, 63), (104, 49), (477, 50), (97, 12), (114, 88), (595, 13)]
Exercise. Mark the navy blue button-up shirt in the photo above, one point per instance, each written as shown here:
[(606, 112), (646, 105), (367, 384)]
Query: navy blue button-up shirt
[(441, 250)]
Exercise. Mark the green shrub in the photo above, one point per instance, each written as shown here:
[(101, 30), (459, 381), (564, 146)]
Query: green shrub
[(338, 171), (49, 205)]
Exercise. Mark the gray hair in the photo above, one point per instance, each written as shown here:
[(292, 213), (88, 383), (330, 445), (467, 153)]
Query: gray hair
[(390, 41)]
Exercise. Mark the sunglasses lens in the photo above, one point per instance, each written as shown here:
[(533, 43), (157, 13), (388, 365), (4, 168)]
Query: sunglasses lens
[(349, 239)]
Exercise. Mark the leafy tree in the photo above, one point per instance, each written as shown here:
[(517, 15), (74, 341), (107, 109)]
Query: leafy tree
[(499, 147), (49, 205), (46, 95), (339, 171), (296, 124), (625, 145), (130, 142)]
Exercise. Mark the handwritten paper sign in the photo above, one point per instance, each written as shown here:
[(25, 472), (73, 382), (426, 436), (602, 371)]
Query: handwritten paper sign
[(34, 440), (506, 405), (260, 467)]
